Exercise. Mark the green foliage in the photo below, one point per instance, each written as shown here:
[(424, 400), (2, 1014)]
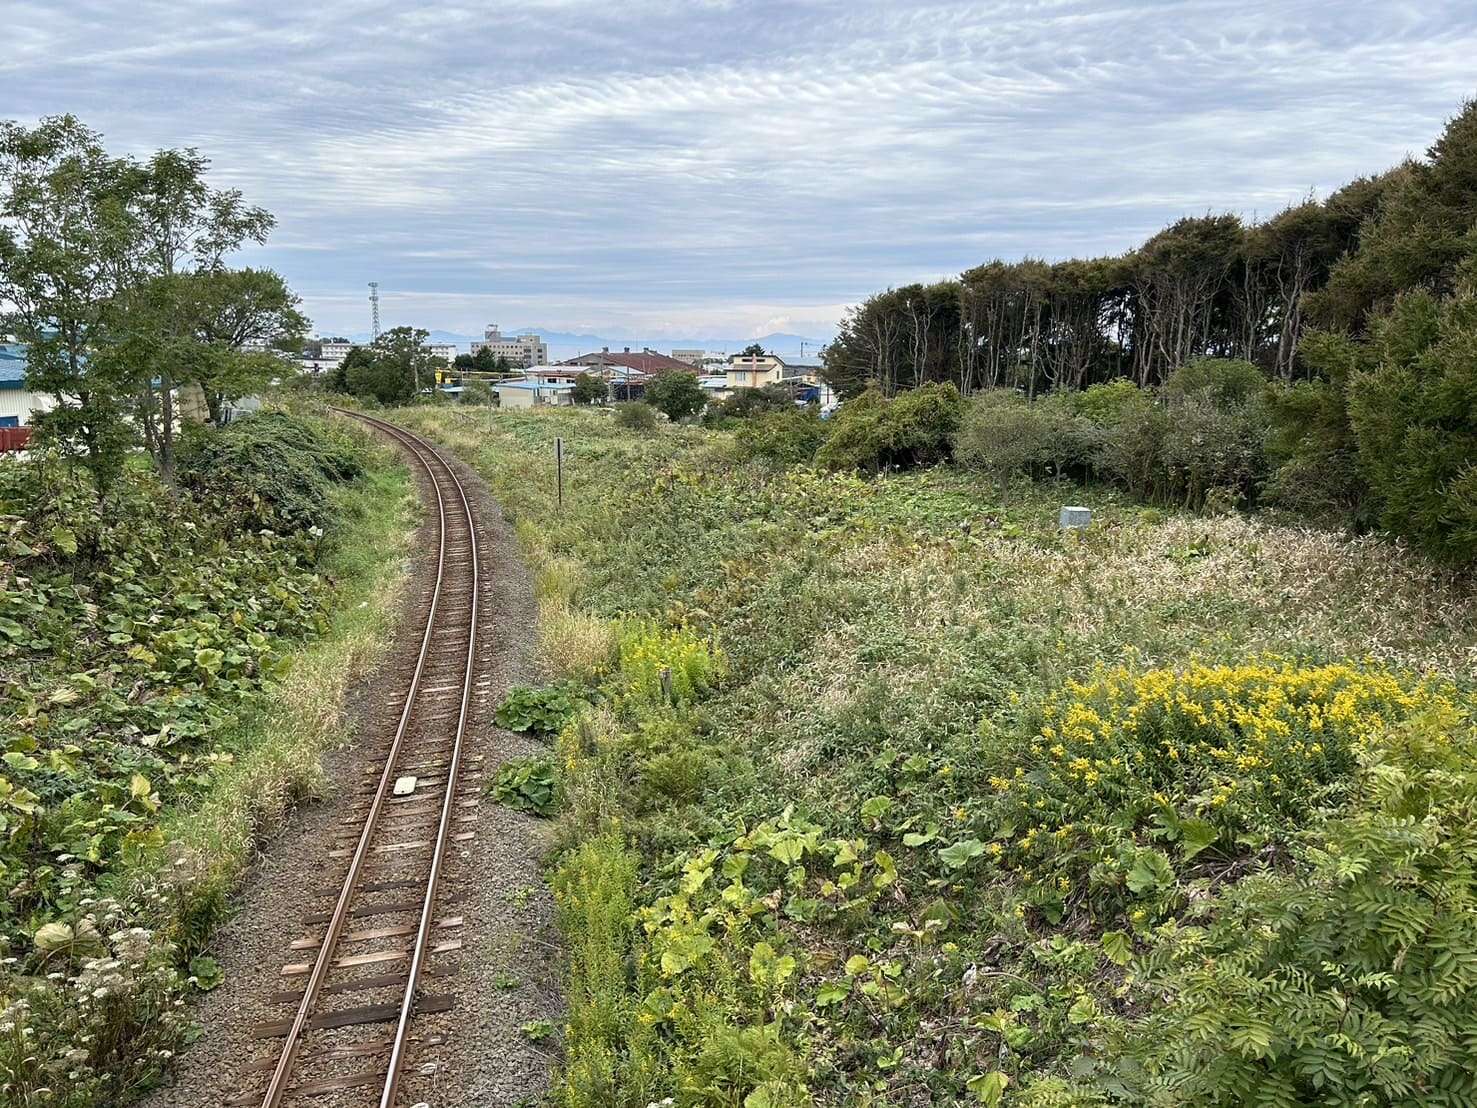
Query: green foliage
[(1415, 421), (676, 394), (526, 784), (633, 415), (1005, 436), (915, 428), (1349, 976), (784, 436), (477, 392), (393, 369), (271, 470), (1224, 382), (588, 389), (540, 710), (747, 403)]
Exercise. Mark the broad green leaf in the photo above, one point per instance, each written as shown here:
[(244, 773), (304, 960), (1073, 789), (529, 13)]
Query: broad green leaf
[(1118, 947), (988, 1088), (959, 855), (64, 539)]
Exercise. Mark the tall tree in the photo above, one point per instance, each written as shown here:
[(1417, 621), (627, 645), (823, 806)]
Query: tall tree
[(64, 245)]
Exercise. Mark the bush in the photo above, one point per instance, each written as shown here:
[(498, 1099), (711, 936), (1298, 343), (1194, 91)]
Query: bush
[(542, 711), (1349, 977), (1213, 447), (633, 415), (676, 394), (748, 403), (525, 785), (660, 665), (1002, 436), (1415, 421), (915, 428), (477, 392), (574, 644), (1132, 776), (588, 389), (271, 470), (785, 436), (1224, 382)]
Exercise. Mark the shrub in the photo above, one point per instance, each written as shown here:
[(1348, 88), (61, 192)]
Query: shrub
[(1002, 436), (676, 394), (1224, 382), (633, 415), (1132, 451), (1415, 421), (787, 436), (588, 389), (1218, 759), (1349, 977), (1209, 446), (271, 470), (747, 403), (477, 392), (659, 665), (542, 711), (526, 785), (915, 428)]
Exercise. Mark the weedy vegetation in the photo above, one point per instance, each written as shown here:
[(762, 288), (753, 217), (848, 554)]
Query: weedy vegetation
[(175, 659), (883, 791)]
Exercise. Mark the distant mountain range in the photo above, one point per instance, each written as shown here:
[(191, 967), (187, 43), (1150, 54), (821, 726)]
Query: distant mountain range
[(566, 344)]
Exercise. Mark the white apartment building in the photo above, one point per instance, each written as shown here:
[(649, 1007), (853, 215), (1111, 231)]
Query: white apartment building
[(334, 352), (520, 350), (693, 358), (443, 351)]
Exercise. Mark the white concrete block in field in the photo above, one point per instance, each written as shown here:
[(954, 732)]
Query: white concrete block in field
[(1074, 518)]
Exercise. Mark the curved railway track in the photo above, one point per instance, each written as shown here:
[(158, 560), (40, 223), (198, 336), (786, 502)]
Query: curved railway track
[(370, 956)]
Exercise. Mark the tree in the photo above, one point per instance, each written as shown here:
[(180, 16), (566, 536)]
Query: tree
[(464, 363), (397, 367), (753, 350), (588, 389), (224, 318), (178, 224), (63, 250), (676, 393)]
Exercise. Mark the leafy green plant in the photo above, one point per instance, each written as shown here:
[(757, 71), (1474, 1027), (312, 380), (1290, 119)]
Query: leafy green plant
[(526, 784), (540, 710)]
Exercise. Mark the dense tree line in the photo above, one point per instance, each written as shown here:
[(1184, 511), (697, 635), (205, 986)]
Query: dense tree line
[(1357, 316), (113, 273)]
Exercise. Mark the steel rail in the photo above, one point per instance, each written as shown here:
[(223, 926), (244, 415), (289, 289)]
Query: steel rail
[(277, 1086), (448, 800)]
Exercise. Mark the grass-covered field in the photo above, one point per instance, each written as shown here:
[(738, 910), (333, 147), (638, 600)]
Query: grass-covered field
[(936, 805), (172, 676)]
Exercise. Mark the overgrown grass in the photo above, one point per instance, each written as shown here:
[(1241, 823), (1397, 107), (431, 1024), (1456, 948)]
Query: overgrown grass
[(277, 749), (832, 900)]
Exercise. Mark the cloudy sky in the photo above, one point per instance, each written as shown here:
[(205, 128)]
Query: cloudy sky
[(660, 168)]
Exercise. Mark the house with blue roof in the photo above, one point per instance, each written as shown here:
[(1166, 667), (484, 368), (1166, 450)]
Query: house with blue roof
[(17, 403)]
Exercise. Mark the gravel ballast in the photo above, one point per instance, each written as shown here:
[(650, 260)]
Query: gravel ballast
[(505, 976)]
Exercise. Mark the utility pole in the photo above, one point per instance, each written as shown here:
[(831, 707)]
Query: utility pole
[(374, 310)]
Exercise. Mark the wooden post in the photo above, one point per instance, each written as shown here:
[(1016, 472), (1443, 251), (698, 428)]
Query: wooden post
[(559, 467)]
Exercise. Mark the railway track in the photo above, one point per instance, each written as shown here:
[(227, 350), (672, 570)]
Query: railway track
[(365, 976)]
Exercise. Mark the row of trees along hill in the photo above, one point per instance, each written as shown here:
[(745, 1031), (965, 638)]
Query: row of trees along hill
[(113, 272), (1360, 312)]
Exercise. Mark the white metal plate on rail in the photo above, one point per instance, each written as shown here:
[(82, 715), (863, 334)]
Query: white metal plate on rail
[(404, 786)]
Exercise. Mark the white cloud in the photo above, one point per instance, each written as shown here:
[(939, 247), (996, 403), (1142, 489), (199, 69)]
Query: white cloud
[(721, 166)]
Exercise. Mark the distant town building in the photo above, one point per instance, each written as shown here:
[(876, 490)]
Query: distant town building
[(604, 362), (18, 404), (335, 352), (529, 393), (694, 358), (445, 352), (519, 350), (802, 375)]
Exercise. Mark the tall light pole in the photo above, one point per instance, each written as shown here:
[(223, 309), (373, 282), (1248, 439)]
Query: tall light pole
[(374, 310)]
